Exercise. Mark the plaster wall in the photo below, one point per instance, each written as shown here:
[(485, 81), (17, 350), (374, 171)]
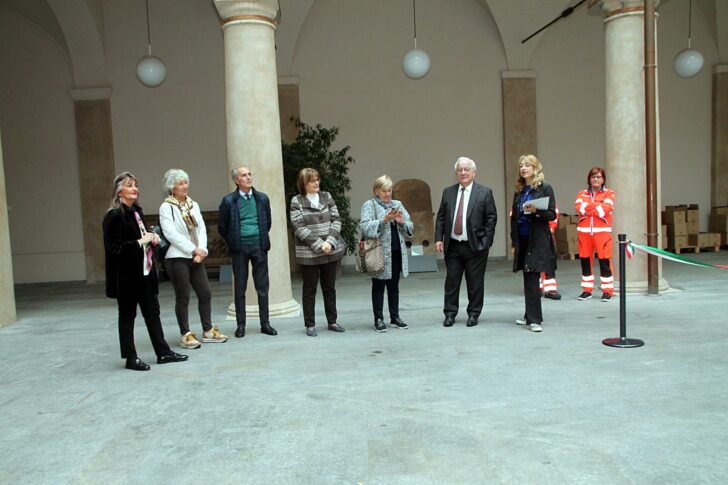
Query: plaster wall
[(685, 110), (181, 123), (39, 144), (348, 60)]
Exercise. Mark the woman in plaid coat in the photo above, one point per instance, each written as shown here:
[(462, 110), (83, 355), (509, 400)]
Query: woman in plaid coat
[(319, 245)]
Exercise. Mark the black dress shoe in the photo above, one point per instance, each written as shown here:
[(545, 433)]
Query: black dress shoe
[(171, 357), (449, 321), (240, 332), (472, 321), (336, 328), (136, 364), (267, 329)]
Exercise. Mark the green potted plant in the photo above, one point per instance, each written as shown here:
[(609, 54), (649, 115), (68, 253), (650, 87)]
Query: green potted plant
[(312, 148)]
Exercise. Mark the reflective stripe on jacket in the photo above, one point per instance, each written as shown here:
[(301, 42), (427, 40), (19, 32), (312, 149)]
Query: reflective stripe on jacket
[(595, 210)]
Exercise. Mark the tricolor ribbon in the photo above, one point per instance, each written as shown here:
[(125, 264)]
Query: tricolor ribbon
[(661, 253)]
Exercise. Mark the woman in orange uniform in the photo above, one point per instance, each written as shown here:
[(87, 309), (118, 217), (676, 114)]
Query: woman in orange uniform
[(594, 206)]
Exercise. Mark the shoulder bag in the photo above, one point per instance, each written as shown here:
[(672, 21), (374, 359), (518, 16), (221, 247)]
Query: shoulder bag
[(370, 254)]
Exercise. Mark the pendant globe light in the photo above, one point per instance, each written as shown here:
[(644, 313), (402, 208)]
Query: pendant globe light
[(416, 62), (688, 62), (151, 71)]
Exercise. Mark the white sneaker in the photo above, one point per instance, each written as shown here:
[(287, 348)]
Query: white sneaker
[(534, 327), (520, 321), (213, 336), (189, 341)]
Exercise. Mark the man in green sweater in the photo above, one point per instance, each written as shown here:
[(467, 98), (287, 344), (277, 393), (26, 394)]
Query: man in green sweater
[(244, 224)]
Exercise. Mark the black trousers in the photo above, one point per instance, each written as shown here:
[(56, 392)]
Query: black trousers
[(531, 290), (392, 286), (258, 259), (459, 260), (311, 274), (143, 293), (185, 274)]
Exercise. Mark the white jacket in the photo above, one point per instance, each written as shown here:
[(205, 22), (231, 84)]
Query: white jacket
[(175, 230)]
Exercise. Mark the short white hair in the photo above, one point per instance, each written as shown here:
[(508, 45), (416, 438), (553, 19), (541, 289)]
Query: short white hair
[(234, 172), (465, 161), (172, 176)]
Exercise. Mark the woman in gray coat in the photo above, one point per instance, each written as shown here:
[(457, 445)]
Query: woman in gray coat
[(388, 220)]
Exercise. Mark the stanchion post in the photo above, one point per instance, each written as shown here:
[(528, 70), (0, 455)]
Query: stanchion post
[(623, 341)]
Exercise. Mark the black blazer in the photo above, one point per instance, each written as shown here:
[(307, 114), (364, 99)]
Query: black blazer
[(541, 251), (481, 217), (124, 256)]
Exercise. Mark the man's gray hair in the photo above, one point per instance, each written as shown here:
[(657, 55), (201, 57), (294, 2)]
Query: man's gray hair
[(234, 172), (465, 161), (172, 176)]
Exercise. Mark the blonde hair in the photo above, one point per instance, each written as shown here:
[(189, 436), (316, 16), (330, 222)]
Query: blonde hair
[(538, 175), (119, 182), (383, 182)]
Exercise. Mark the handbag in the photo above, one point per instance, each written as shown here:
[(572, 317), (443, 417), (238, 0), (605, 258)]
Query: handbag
[(369, 256), (160, 250)]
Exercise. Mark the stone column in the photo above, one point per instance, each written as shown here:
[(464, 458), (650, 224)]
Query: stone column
[(719, 141), (7, 288), (254, 130), (519, 129), (94, 142), (625, 127)]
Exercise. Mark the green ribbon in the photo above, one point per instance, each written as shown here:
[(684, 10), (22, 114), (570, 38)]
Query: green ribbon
[(661, 253)]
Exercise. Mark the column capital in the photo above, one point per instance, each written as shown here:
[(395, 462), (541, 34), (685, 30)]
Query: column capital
[(248, 11), (610, 8)]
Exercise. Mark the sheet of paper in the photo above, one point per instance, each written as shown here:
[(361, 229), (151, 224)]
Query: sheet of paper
[(540, 204)]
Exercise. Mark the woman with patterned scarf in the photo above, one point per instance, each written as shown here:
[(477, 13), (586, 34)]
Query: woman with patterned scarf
[(182, 224)]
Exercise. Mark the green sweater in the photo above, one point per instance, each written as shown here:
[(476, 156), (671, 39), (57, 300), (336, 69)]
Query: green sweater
[(249, 227)]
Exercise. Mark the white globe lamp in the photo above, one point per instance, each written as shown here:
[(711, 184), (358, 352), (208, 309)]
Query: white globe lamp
[(416, 63), (688, 62), (151, 71)]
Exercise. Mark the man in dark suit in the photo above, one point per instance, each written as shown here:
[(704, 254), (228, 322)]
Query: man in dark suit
[(464, 232), (244, 224)]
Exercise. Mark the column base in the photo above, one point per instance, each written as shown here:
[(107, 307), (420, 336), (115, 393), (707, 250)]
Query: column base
[(640, 287), (289, 308)]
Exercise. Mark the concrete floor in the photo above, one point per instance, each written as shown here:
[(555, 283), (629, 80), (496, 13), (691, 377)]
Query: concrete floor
[(429, 405)]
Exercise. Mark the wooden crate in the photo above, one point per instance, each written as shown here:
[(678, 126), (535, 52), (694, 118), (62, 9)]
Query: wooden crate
[(705, 241), (674, 214), (718, 223), (677, 230)]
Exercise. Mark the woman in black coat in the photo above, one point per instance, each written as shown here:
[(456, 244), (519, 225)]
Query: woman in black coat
[(130, 274), (533, 245)]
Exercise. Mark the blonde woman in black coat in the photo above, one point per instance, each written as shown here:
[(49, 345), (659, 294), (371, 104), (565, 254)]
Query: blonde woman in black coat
[(533, 247), (130, 274)]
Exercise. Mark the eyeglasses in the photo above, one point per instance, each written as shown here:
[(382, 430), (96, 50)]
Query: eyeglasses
[(596, 176), (459, 170)]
